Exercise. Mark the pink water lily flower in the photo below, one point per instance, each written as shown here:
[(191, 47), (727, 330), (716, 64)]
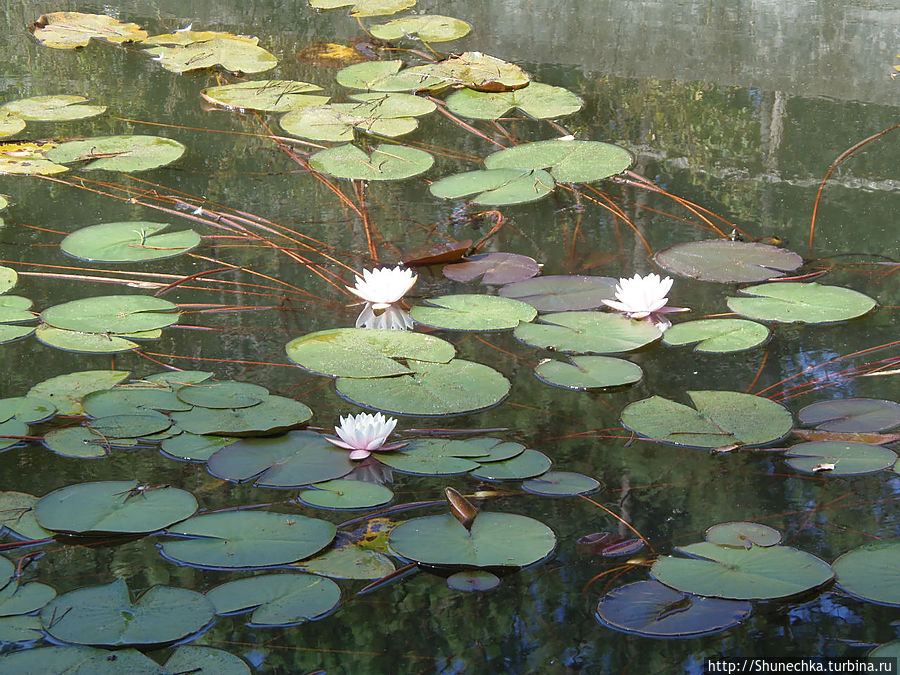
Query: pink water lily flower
[(644, 298), (364, 434)]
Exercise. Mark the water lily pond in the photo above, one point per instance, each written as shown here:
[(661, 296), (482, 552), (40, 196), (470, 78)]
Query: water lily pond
[(376, 336)]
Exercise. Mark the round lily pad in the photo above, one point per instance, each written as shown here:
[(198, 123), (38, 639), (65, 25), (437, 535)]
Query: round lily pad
[(561, 484), (82, 343), (194, 447), (8, 279), (528, 464), (276, 414), (804, 303), (235, 53), (12, 333), (106, 615), (128, 242), (17, 517), (439, 456), (562, 293), (430, 389), (359, 352), (68, 30), (11, 429), (650, 609), (587, 332), (889, 650), (19, 629), (851, 415), (474, 70), (495, 187), (717, 335), (224, 394), (567, 161), (589, 372), (118, 153), (28, 409), (134, 399), (839, 458), (743, 535), (537, 100), (175, 378), (425, 27), (17, 598), (66, 391), (757, 573), (346, 494), (129, 426), (116, 507), (351, 557), (191, 659), (118, 314), (232, 539), (386, 162), (269, 95), (7, 570), (277, 599), (495, 540), (52, 108), (720, 418), (363, 8), (76, 442), (476, 312), (493, 268), (72, 659), (728, 261), (14, 309), (872, 572), (10, 124), (473, 580)]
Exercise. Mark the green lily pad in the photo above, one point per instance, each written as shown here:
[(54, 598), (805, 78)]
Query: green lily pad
[(277, 599), (473, 580), (890, 650), (113, 507), (346, 494), (17, 517), (14, 308), (19, 629), (430, 389), (132, 399), (73, 660), (851, 415), (274, 415), (191, 659), (350, 557), (66, 391), (425, 27), (589, 372), (24, 598), (10, 124), (804, 303), (290, 460), (118, 153), (78, 442), (872, 572), (362, 8), (474, 70), (721, 418), (235, 53), (12, 427), (758, 573), (540, 101), (8, 279), (128, 242), (472, 312), (728, 261), (232, 539), (223, 394), (268, 95), (496, 187), (175, 378), (68, 30), (562, 293), (12, 333), (438, 456), (16, 165), (743, 535), (567, 161), (495, 540), (839, 458), (358, 352), (389, 114), (118, 314), (717, 335), (386, 162), (587, 332), (83, 343), (492, 449), (528, 464), (493, 268), (52, 108), (650, 609), (561, 484), (193, 447), (26, 409), (106, 615), (377, 76), (7, 570), (129, 426)]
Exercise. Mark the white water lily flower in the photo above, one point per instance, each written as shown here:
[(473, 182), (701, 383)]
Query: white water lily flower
[(364, 434), (383, 286), (392, 318), (644, 298)]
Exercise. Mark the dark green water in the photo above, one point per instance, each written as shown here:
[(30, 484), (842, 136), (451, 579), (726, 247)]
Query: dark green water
[(739, 108)]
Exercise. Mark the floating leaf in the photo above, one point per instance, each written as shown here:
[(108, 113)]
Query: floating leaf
[(352, 557), (358, 352), (119, 314), (851, 415), (495, 540), (129, 425), (12, 333), (721, 418), (430, 389), (224, 394), (528, 464), (843, 459), (128, 242), (85, 343), (132, 399), (758, 573), (540, 101), (232, 539), (728, 261), (17, 517), (194, 447), (473, 580), (717, 335), (28, 158), (346, 494), (386, 162), (274, 415), (10, 124), (26, 409), (74, 660), (190, 659), (24, 598), (66, 391), (8, 278), (589, 372), (68, 30), (178, 377), (52, 108), (118, 153), (235, 53), (362, 8), (890, 650), (117, 507), (106, 615), (587, 332), (650, 609), (872, 572), (472, 312), (439, 457), (10, 429), (425, 27), (269, 95), (493, 268), (561, 293), (567, 161), (77, 441), (19, 629), (496, 187), (277, 599), (376, 113), (561, 484), (805, 303), (743, 535), (14, 308)]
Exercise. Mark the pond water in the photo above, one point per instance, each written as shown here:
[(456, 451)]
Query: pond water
[(740, 107)]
